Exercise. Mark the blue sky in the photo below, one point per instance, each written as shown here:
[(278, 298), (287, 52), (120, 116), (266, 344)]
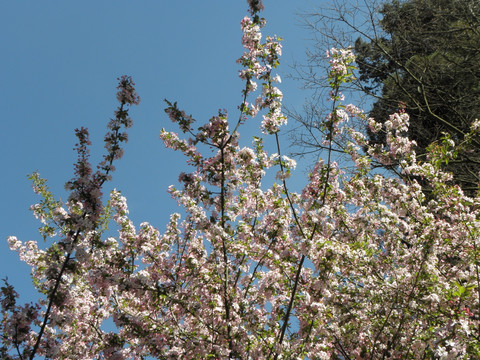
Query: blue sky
[(59, 62)]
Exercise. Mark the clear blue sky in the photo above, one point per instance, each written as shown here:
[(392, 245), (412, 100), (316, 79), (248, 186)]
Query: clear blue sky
[(59, 62)]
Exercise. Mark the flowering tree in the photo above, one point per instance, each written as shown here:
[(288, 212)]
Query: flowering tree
[(356, 266)]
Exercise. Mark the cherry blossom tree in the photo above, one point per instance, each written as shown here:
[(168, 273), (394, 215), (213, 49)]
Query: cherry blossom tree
[(355, 266)]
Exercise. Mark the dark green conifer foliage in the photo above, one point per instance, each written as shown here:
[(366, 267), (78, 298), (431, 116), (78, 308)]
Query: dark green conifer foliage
[(427, 57)]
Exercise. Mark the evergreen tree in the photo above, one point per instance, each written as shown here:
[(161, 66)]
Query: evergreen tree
[(418, 55), (427, 59)]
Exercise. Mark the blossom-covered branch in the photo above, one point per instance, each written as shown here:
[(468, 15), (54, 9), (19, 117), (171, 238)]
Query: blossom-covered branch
[(54, 269)]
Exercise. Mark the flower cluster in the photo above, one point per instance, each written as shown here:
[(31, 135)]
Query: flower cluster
[(255, 6), (127, 93), (258, 62), (339, 60)]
